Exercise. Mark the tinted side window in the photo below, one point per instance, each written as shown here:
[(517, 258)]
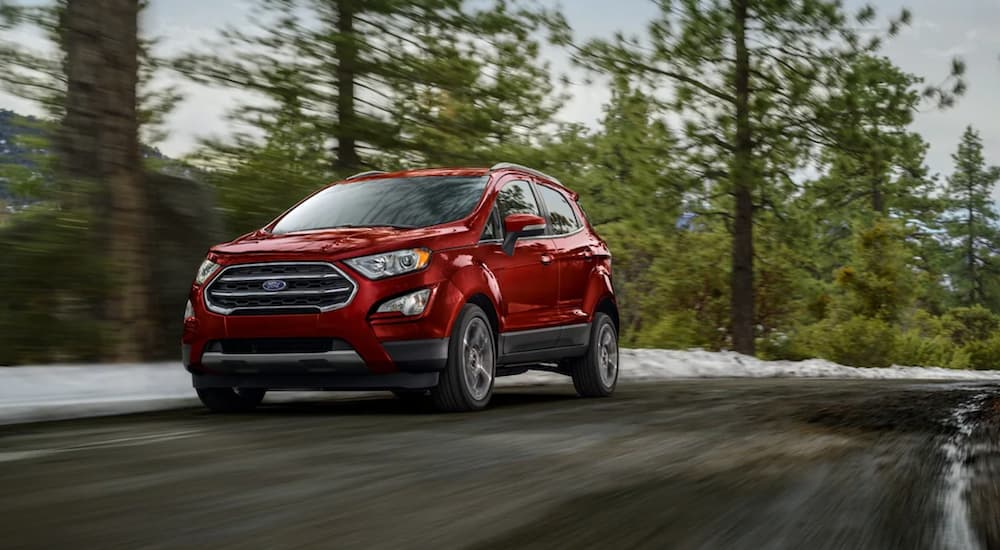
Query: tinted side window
[(561, 214), (516, 198)]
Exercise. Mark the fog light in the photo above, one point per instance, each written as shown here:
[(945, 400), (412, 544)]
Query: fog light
[(408, 304), (188, 310)]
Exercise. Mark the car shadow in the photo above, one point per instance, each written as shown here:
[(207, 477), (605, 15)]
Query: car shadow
[(387, 404)]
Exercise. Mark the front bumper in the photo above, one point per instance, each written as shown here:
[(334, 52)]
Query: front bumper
[(370, 351), (417, 362), (332, 382)]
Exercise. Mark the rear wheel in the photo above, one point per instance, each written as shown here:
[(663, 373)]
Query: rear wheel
[(466, 384), (231, 400), (596, 373)]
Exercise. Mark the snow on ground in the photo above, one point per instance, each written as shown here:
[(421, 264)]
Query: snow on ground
[(652, 364), (660, 364), (54, 392)]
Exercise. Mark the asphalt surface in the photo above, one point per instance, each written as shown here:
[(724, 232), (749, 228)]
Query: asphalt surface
[(773, 463)]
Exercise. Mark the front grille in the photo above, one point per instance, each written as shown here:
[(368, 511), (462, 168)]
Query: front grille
[(279, 288)]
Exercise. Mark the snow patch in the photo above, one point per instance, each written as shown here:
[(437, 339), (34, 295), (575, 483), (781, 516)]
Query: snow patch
[(70, 391), (63, 391), (660, 364)]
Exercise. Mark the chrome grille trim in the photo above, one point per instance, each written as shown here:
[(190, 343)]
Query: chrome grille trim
[(244, 278), (330, 273), (251, 293)]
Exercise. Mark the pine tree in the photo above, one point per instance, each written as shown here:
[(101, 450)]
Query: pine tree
[(973, 221), (99, 142), (636, 174), (751, 81), (370, 76), (30, 73), (632, 185), (39, 74), (876, 162), (872, 165), (489, 100)]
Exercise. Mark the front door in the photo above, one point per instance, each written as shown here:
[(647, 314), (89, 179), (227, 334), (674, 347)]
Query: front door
[(529, 278)]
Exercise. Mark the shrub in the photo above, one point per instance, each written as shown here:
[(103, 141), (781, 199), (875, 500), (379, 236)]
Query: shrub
[(57, 280), (916, 349), (965, 325), (983, 354), (674, 330), (55, 284), (858, 341), (783, 346), (667, 302), (878, 282)]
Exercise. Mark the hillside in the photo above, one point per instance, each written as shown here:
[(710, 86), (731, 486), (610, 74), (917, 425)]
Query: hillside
[(23, 145), (18, 135)]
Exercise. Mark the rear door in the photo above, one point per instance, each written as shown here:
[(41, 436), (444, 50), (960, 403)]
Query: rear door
[(528, 279), (572, 251)]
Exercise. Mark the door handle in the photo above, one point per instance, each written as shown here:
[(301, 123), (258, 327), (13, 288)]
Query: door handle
[(546, 259)]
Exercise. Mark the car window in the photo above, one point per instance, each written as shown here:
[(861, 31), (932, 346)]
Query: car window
[(492, 231), (516, 198), (561, 214), (399, 202)]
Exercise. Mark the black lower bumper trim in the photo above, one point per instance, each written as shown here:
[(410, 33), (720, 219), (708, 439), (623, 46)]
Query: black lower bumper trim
[(418, 355), (393, 381)]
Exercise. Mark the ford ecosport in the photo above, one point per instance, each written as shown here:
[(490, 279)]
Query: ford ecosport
[(429, 283)]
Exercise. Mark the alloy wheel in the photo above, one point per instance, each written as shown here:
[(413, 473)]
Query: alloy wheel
[(607, 356), (478, 362)]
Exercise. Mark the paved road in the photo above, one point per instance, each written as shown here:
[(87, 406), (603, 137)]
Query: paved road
[(685, 464)]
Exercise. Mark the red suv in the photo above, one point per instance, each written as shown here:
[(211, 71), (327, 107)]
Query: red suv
[(426, 283)]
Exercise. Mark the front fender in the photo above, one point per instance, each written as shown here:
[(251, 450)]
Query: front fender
[(470, 278)]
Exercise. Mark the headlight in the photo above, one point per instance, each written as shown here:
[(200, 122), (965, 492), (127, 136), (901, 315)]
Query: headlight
[(188, 310), (380, 266), (205, 271), (408, 304)]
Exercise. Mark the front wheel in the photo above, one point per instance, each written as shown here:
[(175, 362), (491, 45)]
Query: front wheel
[(466, 384), (230, 400), (596, 373)]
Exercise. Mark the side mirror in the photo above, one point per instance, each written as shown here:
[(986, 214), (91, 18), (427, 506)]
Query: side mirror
[(519, 226)]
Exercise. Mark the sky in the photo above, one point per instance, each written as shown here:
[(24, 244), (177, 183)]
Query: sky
[(940, 30)]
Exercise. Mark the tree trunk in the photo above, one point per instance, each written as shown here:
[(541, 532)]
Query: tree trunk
[(878, 201), (742, 300), (347, 56), (100, 143), (974, 286), (878, 181)]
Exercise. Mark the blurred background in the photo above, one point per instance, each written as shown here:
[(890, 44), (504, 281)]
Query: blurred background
[(786, 179)]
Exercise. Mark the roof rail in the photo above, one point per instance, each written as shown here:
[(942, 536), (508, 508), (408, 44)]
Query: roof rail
[(511, 165), (363, 174)]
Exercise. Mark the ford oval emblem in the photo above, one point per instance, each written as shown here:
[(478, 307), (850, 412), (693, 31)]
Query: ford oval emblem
[(274, 285)]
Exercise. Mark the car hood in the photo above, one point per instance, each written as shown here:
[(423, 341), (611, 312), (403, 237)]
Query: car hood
[(337, 243)]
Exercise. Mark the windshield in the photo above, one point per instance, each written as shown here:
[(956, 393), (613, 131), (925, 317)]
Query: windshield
[(395, 202)]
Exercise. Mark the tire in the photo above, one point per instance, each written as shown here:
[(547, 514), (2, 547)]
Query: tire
[(466, 384), (596, 373), (231, 400)]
